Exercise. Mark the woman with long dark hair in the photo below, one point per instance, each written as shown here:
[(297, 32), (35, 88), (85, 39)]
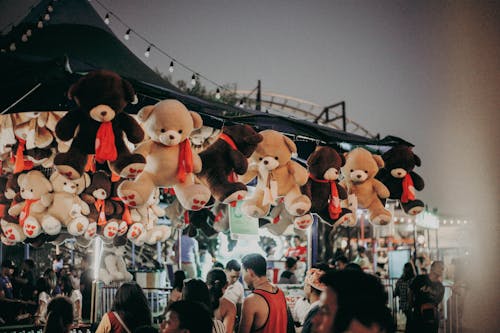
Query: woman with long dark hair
[(43, 298), (130, 310), (74, 295), (60, 315), (402, 290), (176, 293), (223, 309)]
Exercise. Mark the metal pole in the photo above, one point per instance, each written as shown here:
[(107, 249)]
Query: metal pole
[(26, 251), (133, 256), (179, 248), (259, 97), (344, 120), (158, 253)]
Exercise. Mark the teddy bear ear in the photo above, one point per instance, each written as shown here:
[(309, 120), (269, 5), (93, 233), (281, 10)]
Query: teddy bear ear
[(129, 91), (417, 160), (86, 179), (253, 139), (290, 144), (379, 160), (197, 121), (74, 91), (20, 178), (145, 112)]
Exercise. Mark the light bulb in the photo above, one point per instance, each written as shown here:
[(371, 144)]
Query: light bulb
[(39, 25), (12, 47), (127, 35), (46, 16), (106, 18), (193, 80), (148, 50), (171, 68), (24, 38), (28, 32), (217, 93), (50, 9)]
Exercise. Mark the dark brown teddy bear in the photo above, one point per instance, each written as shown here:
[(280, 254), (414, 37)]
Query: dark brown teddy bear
[(227, 157), (323, 187), (97, 126)]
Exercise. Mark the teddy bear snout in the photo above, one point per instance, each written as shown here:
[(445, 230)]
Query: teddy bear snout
[(170, 138), (269, 163), (331, 174), (103, 113), (358, 176), (398, 173)]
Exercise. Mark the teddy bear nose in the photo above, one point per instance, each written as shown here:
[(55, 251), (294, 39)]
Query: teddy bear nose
[(171, 137), (359, 176), (103, 113), (266, 162)]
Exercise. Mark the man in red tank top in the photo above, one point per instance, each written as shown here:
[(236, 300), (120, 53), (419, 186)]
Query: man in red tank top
[(264, 310)]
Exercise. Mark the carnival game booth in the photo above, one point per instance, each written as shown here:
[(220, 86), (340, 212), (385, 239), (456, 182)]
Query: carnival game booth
[(99, 151)]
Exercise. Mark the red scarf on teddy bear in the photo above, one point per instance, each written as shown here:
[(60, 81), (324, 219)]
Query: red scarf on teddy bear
[(105, 149), (407, 193), (334, 208), (185, 160)]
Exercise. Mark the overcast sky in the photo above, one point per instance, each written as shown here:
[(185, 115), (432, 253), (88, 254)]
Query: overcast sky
[(426, 71)]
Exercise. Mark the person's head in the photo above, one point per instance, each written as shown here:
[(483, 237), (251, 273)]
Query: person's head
[(179, 318), (291, 263), (437, 268), (8, 267), (233, 269), (254, 266), (179, 277), (352, 299), (312, 285), (66, 285), (59, 315), (361, 251), (352, 266), (216, 283), (218, 264), (197, 291), (296, 240), (28, 265), (43, 284), (132, 305), (341, 262), (408, 272)]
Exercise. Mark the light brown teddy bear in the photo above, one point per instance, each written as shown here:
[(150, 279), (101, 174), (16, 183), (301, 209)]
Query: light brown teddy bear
[(67, 208), (278, 176), (35, 190), (170, 162), (359, 179)]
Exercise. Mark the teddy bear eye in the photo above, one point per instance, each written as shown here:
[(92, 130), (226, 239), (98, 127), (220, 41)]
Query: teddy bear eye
[(163, 130), (276, 158), (352, 170), (65, 183), (366, 171), (260, 158), (180, 131), (31, 190)]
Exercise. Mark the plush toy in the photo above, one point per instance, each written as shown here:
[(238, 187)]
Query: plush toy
[(323, 187), (203, 137), (35, 190), (221, 217), (7, 136), (98, 125), (67, 208), (175, 214), (113, 267), (227, 157), (277, 175), (201, 220), (359, 178), (170, 160), (96, 195), (121, 212), (401, 180)]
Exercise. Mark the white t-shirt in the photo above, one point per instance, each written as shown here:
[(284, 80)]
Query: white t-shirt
[(300, 310), (235, 293), (76, 295), (43, 302)]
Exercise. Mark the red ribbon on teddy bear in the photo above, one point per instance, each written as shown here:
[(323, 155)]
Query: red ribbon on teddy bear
[(407, 194), (105, 149), (334, 208), (185, 160), (26, 211)]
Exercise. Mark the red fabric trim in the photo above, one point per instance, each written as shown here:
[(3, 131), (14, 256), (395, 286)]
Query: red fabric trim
[(228, 140), (407, 194), (334, 208), (19, 157), (100, 206), (90, 166), (105, 148), (26, 210), (185, 160), (186, 217)]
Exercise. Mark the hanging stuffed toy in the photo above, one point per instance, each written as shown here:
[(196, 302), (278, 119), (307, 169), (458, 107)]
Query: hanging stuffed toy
[(225, 159), (98, 125), (121, 212), (170, 160), (34, 189), (359, 179), (323, 187), (113, 267), (7, 136), (402, 181), (12, 232), (278, 176), (203, 137)]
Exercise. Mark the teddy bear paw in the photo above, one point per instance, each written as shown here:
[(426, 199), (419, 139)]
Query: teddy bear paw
[(198, 201), (7, 242), (51, 225), (31, 227), (381, 219), (131, 198), (415, 210), (122, 228), (135, 231), (78, 226), (236, 196), (253, 211), (303, 222), (110, 230), (133, 170), (91, 231), (68, 171), (299, 208)]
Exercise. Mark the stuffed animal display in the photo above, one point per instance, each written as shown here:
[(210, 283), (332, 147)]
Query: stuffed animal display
[(323, 187), (359, 173), (97, 126), (113, 267), (225, 159), (170, 160), (401, 180)]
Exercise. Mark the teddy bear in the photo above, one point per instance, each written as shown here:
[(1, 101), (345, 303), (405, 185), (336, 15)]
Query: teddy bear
[(7, 136), (34, 189), (400, 179), (203, 137), (96, 195), (122, 214), (359, 172), (170, 160), (98, 125), (226, 158), (67, 208), (278, 176), (175, 214), (323, 187), (221, 217), (113, 267), (145, 221)]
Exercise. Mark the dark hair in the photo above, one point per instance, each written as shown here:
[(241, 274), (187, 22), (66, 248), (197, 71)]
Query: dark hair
[(216, 281), (132, 305), (352, 266), (233, 265), (360, 296), (297, 237), (197, 291), (290, 262), (361, 249), (179, 277), (189, 310), (342, 259), (146, 329), (42, 284), (60, 315), (218, 264), (30, 263), (66, 285), (255, 262), (408, 272)]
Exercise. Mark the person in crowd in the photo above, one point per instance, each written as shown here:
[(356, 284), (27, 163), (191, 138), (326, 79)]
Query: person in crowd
[(362, 259), (27, 279), (224, 310), (206, 260), (341, 262), (176, 293), (74, 295), (43, 288), (288, 275), (297, 250), (188, 254), (235, 291), (130, 310), (59, 315), (312, 288), (426, 293), (354, 302), (218, 264), (57, 264), (75, 277), (86, 279), (264, 310), (352, 266), (146, 329), (197, 291), (51, 276), (6, 289), (187, 317), (402, 290)]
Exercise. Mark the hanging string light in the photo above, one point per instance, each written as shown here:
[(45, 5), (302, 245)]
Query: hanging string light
[(46, 17), (39, 25), (171, 67), (217, 93), (28, 32), (106, 19), (148, 51), (193, 80), (24, 37), (12, 46), (50, 9), (127, 34)]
